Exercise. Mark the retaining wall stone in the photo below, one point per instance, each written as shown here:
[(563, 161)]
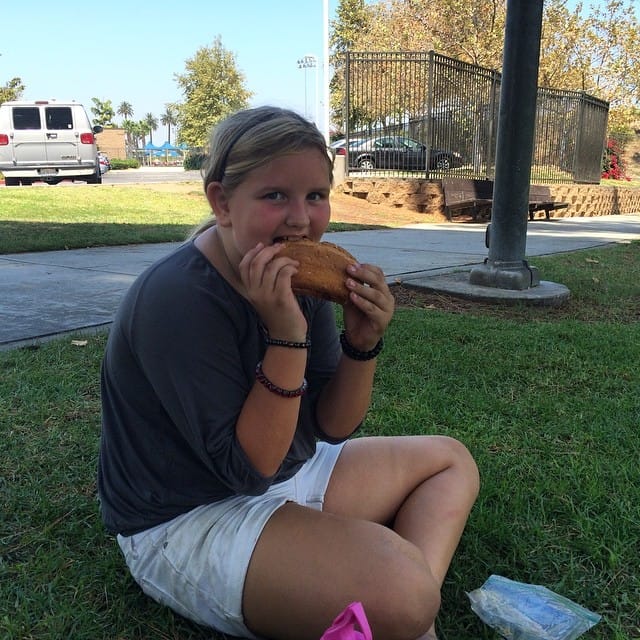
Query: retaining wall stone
[(425, 196)]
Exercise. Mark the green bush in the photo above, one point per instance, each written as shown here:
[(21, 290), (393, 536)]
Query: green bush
[(193, 160), (129, 163)]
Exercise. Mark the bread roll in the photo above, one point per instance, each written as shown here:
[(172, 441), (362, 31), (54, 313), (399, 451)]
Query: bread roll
[(322, 271)]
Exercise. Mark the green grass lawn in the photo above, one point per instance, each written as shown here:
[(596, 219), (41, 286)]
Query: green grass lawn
[(548, 403), (45, 218), (79, 216)]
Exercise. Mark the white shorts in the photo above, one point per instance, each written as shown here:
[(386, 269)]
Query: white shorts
[(196, 564)]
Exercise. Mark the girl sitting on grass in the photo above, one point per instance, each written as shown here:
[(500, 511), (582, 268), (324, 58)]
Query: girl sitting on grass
[(227, 465)]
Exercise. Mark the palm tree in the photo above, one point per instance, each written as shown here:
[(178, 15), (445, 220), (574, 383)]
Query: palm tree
[(134, 131), (152, 124), (125, 110), (169, 118), (140, 132)]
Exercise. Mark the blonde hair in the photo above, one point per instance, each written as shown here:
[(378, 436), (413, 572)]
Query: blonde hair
[(249, 139)]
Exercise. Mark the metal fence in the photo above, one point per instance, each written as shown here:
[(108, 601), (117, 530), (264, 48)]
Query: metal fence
[(451, 108)]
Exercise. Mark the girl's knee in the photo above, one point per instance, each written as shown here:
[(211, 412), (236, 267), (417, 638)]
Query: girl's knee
[(464, 463), (407, 609), (420, 610)]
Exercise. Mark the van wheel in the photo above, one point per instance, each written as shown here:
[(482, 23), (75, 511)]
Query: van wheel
[(11, 182), (96, 178)]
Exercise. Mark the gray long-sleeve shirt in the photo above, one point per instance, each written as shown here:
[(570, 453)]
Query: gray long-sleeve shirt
[(179, 363)]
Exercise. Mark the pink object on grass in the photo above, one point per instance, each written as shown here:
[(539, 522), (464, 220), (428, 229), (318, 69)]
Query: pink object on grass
[(351, 624)]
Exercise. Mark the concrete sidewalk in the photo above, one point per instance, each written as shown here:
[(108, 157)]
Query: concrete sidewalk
[(49, 293)]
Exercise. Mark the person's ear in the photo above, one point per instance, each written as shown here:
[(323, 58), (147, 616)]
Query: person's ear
[(219, 203)]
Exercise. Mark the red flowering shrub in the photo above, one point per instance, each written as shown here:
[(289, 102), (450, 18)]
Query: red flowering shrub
[(612, 168)]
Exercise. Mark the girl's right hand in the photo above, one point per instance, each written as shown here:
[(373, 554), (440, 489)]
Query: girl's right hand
[(266, 278)]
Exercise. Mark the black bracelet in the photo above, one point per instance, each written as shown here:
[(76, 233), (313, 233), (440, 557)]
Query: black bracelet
[(274, 388), (287, 343), (351, 352)]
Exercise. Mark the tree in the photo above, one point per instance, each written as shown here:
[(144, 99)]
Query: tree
[(125, 110), (12, 90), (596, 51), (151, 124), (103, 112), (213, 88), (613, 38), (469, 30), (136, 131), (169, 119), (352, 19)]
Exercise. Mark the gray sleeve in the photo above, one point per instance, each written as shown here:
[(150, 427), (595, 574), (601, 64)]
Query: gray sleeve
[(198, 349)]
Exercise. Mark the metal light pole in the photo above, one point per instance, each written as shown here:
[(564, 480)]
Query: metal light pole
[(310, 61), (505, 266)]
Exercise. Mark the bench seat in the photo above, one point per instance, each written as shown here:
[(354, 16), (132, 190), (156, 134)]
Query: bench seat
[(477, 195), (540, 199), (467, 193)]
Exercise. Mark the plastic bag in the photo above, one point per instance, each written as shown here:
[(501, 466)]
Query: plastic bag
[(520, 611), (351, 624)]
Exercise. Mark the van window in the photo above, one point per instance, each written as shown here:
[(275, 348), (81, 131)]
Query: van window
[(26, 118), (58, 118)]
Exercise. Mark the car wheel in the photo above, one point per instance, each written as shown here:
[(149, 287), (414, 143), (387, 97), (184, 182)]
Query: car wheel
[(366, 163), (443, 162)]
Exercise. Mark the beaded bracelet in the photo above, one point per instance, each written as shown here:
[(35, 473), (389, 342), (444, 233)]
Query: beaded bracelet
[(351, 352), (284, 393), (287, 343)]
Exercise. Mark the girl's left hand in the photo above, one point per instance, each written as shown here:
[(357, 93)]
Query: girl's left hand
[(370, 307)]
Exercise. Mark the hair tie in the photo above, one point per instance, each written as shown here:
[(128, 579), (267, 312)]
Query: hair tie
[(355, 354)]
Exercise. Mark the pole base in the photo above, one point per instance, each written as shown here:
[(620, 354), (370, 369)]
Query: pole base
[(505, 275)]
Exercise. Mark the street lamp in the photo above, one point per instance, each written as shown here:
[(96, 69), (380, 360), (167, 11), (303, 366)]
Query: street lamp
[(310, 61)]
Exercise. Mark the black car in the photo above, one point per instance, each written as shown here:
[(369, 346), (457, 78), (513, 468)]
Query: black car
[(397, 152)]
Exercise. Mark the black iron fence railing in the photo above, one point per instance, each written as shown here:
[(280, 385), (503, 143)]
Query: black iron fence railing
[(409, 114)]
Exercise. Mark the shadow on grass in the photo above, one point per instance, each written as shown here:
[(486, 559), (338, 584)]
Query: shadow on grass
[(347, 226), (21, 237)]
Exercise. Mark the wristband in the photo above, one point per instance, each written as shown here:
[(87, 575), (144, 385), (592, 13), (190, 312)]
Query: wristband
[(287, 343), (351, 352), (274, 388)]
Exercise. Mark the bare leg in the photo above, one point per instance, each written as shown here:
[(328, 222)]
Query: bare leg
[(438, 478), (424, 486), (308, 565)]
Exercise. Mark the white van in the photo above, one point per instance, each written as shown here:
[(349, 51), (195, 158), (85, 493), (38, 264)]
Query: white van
[(49, 141)]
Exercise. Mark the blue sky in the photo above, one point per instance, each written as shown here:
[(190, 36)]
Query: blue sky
[(119, 50)]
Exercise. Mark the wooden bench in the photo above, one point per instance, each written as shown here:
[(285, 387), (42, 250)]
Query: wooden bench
[(540, 199), (467, 193), (477, 195)]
